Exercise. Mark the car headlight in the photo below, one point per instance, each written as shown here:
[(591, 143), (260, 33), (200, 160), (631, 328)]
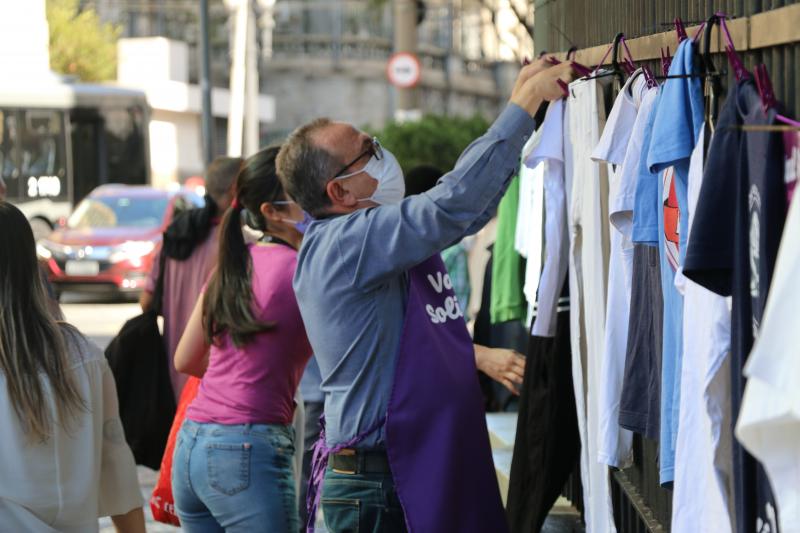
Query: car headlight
[(43, 253), (131, 250)]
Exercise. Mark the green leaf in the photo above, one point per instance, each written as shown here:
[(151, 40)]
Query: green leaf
[(80, 43)]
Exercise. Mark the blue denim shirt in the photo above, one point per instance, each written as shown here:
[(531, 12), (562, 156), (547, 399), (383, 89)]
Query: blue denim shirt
[(351, 275)]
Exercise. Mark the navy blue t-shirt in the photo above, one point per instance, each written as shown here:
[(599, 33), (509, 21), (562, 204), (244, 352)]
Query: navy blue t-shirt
[(734, 243)]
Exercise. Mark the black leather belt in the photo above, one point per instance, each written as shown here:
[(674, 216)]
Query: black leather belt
[(350, 461)]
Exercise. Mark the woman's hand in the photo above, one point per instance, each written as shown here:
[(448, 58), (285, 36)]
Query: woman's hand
[(507, 367)]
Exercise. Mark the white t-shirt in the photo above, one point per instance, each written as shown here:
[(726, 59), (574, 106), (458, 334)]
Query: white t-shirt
[(769, 420), (588, 226), (528, 237), (527, 240), (699, 501), (547, 278), (78, 475), (615, 442)]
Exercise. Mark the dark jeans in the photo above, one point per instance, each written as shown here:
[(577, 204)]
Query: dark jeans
[(362, 503)]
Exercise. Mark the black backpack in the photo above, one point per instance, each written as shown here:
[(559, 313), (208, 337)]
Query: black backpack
[(138, 359)]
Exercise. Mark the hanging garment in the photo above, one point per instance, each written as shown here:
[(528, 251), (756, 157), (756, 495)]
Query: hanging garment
[(615, 442), (439, 452), (735, 237), (549, 152), (699, 503), (530, 215), (547, 444), (532, 227), (791, 154), (587, 197), (507, 299), (676, 131), (769, 420), (640, 399)]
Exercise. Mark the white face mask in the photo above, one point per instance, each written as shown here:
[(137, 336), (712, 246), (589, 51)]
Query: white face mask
[(391, 183)]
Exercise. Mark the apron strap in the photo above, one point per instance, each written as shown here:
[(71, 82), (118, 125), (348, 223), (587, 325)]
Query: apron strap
[(319, 463)]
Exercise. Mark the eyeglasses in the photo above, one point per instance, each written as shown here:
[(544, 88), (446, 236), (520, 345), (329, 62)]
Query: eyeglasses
[(374, 150)]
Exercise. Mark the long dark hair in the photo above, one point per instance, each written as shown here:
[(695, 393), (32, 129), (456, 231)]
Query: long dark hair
[(31, 342), (229, 297)]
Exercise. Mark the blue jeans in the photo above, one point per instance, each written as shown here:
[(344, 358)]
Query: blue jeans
[(361, 503), (235, 478)]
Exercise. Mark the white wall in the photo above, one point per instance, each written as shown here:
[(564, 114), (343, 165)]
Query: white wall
[(159, 67), (24, 40)]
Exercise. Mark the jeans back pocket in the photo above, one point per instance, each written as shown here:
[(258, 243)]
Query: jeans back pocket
[(341, 515), (229, 467)]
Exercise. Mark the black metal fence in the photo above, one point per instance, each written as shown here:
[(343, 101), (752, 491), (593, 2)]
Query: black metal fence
[(558, 28), (641, 504)]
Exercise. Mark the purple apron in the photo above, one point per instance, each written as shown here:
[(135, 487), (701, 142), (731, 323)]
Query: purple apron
[(436, 436)]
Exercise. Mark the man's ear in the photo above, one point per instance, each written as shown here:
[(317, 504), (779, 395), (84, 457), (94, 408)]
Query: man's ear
[(339, 195)]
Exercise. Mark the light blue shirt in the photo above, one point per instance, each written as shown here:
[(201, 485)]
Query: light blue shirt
[(676, 131), (310, 382), (351, 275)]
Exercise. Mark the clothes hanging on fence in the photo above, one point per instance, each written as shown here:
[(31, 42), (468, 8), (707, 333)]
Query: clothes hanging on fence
[(530, 222), (587, 219), (669, 266), (676, 130), (699, 503), (769, 424), (615, 442), (547, 444), (735, 238), (549, 152), (640, 397), (507, 300)]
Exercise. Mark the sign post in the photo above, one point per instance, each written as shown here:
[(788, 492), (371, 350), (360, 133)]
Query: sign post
[(406, 13)]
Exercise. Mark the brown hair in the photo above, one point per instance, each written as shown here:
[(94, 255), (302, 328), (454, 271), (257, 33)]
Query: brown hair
[(227, 307), (32, 345)]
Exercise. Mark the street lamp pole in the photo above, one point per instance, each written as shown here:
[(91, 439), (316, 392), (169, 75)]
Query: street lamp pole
[(205, 85)]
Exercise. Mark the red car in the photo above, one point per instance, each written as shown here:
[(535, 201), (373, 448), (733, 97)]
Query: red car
[(111, 238)]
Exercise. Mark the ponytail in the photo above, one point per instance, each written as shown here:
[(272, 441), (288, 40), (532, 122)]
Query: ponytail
[(228, 303)]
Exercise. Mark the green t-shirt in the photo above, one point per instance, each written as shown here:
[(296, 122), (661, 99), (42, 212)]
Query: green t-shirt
[(507, 301)]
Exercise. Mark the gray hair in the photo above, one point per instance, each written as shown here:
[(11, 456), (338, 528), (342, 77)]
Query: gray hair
[(305, 168)]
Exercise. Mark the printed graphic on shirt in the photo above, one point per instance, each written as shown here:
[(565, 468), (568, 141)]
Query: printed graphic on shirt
[(791, 152), (450, 310), (672, 217), (754, 206), (770, 525)]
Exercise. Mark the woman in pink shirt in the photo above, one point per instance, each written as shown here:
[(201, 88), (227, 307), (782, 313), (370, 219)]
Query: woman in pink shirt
[(232, 468)]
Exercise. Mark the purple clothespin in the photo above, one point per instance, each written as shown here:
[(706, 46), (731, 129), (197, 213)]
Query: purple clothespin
[(666, 61), (680, 29), (627, 64)]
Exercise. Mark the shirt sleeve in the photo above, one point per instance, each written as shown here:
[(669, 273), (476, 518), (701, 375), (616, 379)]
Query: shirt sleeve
[(119, 486), (384, 241), (710, 251)]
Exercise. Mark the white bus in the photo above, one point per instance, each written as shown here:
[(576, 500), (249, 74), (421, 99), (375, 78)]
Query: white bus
[(58, 141)]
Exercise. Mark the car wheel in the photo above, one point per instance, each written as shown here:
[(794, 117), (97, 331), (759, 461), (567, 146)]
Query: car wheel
[(41, 228)]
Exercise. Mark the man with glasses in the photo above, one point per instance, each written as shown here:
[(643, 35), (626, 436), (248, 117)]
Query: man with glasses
[(404, 417)]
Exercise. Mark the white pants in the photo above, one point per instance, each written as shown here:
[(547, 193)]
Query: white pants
[(588, 223)]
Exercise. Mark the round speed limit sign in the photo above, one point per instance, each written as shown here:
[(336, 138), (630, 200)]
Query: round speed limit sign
[(404, 70)]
